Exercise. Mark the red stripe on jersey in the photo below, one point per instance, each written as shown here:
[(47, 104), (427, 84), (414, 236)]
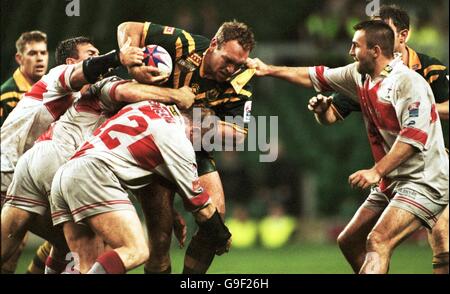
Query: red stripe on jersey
[(382, 113), (86, 146), (146, 153), (47, 135), (58, 106), (320, 73), (196, 202), (88, 104), (434, 114), (384, 184), (376, 141), (414, 134), (37, 91), (62, 80)]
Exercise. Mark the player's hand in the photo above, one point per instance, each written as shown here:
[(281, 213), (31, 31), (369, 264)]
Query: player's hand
[(130, 55), (319, 104), (179, 228), (148, 75), (261, 68), (185, 97), (364, 178)]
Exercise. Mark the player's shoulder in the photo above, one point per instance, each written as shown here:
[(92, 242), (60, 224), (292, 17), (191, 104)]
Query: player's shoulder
[(9, 86), (427, 60)]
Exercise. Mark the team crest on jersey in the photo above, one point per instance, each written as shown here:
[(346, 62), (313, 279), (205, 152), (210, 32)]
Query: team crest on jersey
[(168, 30), (195, 59), (413, 109)]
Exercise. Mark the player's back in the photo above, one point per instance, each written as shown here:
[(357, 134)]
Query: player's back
[(139, 140), (85, 115), (47, 100)]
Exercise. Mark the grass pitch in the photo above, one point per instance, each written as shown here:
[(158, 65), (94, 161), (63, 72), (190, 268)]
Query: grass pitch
[(293, 259)]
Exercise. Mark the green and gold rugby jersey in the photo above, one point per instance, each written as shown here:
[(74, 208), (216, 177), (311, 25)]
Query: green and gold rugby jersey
[(433, 71), (11, 92), (226, 99)]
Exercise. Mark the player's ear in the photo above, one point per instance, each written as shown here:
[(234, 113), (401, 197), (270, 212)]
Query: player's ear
[(18, 58), (403, 35), (376, 51), (213, 43), (70, 60)]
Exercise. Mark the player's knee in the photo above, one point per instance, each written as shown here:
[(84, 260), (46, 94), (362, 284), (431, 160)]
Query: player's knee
[(378, 242), (343, 241)]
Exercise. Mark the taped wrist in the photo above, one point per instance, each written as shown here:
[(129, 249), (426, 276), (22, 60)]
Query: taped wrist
[(95, 67), (215, 230)]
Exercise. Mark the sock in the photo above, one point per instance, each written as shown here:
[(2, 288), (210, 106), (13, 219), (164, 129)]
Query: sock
[(166, 271), (37, 265), (199, 256), (54, 266), (108, 263)]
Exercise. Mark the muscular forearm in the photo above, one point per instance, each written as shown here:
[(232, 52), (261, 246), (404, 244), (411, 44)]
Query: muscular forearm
[(134, 30), (399, 153), (135, 92), (296, 75), (443, 109)]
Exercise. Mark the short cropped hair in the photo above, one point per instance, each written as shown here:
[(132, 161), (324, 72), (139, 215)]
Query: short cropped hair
[(234, 30), (68, 49), (208, 120), (378, 33), (399, 17), (28, 37)]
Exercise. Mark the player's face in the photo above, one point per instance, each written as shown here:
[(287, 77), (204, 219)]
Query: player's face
[(33, 60), (85, 51), (225, 60), (362, 54)]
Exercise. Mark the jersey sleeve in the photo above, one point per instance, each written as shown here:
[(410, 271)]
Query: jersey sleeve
[(55, 90), (180, 161), (414, 111), (344, 105), (437, 76), (105, 90), (342, 79)]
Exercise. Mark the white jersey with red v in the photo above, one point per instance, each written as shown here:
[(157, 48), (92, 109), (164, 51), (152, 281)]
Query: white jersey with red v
[(47, 100), (398, 105), (148, 138)]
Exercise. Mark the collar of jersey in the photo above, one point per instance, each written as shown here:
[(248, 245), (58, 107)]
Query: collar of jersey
[(21, 81)]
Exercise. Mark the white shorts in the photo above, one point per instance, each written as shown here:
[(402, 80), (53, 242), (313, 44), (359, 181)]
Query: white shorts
[(84, 187), (407, 198), (31, 183)]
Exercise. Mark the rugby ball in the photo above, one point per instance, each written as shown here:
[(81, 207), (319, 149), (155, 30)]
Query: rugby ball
[(157, 56)]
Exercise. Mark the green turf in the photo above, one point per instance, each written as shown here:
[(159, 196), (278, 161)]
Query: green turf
[(294, 259)]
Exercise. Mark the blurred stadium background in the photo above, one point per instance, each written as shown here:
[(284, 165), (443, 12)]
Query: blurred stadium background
[(294, 207)]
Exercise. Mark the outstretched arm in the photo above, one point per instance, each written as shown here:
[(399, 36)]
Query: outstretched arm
[(135, 92), (91, 69), (295, 75)]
